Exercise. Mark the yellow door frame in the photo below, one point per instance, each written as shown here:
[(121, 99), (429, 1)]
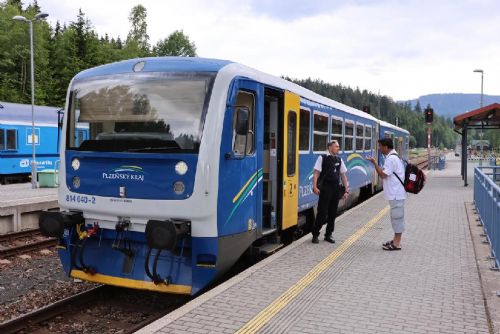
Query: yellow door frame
[(290, 151)]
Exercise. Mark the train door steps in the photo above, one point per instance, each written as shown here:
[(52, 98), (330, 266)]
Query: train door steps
[(268, 249)]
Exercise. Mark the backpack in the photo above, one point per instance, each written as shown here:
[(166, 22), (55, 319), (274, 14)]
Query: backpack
[(414, 177)]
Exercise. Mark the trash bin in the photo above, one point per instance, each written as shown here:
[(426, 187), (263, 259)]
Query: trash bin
[(442, 162), (48, 178)]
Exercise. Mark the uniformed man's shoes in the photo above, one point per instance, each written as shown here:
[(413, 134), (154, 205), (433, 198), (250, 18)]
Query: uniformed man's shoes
[(330, 240), (315, 240)]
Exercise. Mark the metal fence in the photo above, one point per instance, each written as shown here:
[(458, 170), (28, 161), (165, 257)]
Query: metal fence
[(487, 200), (437, 162)]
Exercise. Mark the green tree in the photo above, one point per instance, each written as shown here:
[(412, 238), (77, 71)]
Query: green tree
[(138, 37), (176, 44)]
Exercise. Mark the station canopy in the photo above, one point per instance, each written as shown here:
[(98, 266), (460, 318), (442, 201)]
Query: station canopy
[(487, 117)]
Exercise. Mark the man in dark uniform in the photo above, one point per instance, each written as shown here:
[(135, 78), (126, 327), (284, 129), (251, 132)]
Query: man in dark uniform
[(328, 171)]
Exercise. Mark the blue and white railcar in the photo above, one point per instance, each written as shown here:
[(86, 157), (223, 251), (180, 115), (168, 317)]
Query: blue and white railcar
[(16, 139), (189, 163)]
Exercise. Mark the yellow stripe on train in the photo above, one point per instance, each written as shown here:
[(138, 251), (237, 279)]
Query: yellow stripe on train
[(131, 283)]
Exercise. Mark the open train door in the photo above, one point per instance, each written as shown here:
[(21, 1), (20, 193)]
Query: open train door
[(290, 158)]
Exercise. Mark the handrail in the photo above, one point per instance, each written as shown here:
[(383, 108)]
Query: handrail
[(487, 200)]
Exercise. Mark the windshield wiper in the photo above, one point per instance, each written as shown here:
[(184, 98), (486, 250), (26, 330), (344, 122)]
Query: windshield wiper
[(161, 148)]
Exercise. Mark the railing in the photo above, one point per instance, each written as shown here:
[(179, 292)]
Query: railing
[(487, 200)]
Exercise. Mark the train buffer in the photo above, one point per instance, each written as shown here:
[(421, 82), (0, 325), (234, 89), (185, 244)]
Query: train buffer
[(353, 286)]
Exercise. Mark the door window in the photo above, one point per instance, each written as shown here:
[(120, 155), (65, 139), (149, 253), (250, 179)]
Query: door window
[(292, 148), (305, 123), (244, 99)]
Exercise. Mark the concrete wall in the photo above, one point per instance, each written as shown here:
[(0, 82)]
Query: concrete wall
[(24, 216)]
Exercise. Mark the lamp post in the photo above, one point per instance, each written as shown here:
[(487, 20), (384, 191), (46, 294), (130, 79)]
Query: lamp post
[(38, 16), (481, 105), (482, 73)]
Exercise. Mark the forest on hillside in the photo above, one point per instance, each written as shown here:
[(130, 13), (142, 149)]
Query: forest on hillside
[(385, 108), (66, 49)]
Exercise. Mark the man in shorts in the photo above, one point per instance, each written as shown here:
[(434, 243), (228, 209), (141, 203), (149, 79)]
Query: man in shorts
[(394, 191)]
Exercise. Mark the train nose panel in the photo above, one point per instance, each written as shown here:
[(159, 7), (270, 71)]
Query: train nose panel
[(131, 175)]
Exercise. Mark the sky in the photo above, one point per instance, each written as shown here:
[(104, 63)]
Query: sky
[(403, 49)]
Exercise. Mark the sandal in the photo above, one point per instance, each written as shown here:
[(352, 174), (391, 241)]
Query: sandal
[(388, 243), (391, 247)]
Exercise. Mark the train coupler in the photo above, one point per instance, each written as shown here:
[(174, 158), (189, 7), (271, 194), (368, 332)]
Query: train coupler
[(121, 242)]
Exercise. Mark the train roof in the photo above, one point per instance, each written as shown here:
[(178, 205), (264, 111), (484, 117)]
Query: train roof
[(392, 126), (238, 69), (157, 64), (196, 64), (16, 113)]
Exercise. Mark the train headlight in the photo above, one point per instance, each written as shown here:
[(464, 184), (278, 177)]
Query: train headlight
[(179, 187), (181, 168), (76, 182), (75, 163)]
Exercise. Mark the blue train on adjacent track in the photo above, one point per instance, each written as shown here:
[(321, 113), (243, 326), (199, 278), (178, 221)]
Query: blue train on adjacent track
[(16, 140), (191, 163)]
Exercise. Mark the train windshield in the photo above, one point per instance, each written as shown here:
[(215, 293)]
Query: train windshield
[(140, 112)]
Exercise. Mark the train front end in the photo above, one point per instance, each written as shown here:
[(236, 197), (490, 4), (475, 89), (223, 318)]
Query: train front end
[(136, 206)]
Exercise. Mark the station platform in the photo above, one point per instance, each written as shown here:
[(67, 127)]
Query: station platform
[(20, 206), (353, 286)]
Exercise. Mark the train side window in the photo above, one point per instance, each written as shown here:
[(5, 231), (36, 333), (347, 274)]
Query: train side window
[(12, 139), (2, 139), (320, 138), (368, 138), (337, 131), (305, 129), (244, 99), (360, 136), (292, 143), (349, 136)]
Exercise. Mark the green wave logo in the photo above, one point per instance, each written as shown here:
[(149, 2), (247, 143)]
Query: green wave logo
[(121, 169), (356, 161), (245, 191)]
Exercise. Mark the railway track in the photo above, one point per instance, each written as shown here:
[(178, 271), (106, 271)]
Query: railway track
[(104, 309), (16, 243), (420, 161)]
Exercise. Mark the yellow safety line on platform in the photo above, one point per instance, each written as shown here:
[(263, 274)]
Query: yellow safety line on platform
[(278, 304)]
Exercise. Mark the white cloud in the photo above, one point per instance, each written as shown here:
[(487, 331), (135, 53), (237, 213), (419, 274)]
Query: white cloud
[(404, 49)]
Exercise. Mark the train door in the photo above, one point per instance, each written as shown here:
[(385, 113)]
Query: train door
[(280, 160), (290, 158), (241, 172)]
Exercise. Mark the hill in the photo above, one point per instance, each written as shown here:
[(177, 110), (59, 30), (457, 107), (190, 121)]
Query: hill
[(450, 105)]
